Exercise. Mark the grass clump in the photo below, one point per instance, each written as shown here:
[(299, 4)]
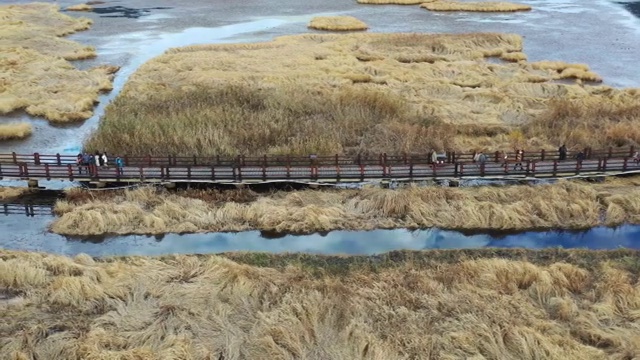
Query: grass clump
[(79, 7), (337, 23), (481, 6), (34, 64), (10, 192), (15, 130), (496, 304), (566, 205), (346, 93)]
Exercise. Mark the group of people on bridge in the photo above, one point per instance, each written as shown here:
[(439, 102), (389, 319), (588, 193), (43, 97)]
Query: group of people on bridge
[(90, 162)]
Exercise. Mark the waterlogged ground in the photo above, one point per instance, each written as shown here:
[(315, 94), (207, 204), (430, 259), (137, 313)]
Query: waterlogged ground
[(602, 33), (29, 233)]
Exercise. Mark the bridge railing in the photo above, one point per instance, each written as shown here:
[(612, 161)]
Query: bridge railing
[(349, 172), (383, 159)]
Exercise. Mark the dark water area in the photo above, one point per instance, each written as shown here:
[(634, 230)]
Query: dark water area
[(632, 7), (125, 12), (19, 232)]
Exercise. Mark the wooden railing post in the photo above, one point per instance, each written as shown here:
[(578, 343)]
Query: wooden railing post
[(337, 160), (46, 171), (624, 164), (149, 160), (497, 156), (482, 170), (264, 168), (542, 155), (461, 170), (404, 158), (213, 173), (555, 167), (189, 172), (610, 151), (632, 151), (59, 161), (36, 158), (195, 160), (528, 168), (604, 164), (455, 170), (70, 172), (361, 173), (359, 160), (411, 171), (15, 157)]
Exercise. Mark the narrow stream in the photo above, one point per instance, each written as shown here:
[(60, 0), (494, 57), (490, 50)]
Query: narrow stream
[(29, 233)]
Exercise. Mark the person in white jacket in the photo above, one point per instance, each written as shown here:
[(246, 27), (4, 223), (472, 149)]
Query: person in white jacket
[(105, 159)]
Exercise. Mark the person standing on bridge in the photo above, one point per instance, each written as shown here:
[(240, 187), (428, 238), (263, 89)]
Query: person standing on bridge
[(434, 158), (105, 159), (519, 156), (563, 152), (79, 162), (119, 165)]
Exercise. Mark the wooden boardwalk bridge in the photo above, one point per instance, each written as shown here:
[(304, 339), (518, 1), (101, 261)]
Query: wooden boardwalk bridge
[(316, 169)]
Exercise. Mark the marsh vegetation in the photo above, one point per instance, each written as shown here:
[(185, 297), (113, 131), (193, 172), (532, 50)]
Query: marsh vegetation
[(35, 70), (489, 304), (569, 205), (358, 93)]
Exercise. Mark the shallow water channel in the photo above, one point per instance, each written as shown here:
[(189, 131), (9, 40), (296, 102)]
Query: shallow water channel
[(22, 232)]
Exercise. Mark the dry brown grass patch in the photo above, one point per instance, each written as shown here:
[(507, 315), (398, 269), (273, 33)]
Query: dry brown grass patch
[(15, 131), (79, 7), (496, 304), (482, 6), (150, 211), (337, 23), (9, 192), (311, 97), (35, 74)]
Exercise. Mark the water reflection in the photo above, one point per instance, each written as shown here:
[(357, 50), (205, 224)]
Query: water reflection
[(22, 233)]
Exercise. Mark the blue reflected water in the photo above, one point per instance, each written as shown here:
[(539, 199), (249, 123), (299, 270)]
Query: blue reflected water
[(30, 234)]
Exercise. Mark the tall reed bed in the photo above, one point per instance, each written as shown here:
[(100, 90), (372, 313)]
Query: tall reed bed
[(354, 93), (506, 304)]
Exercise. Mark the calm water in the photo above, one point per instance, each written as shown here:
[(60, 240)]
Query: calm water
[(29, 233)]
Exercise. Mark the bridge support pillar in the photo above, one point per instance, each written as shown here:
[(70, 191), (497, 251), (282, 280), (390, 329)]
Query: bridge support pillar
[(170, 185), (240, 185), (454, 183), (33, 184), (314, 186)]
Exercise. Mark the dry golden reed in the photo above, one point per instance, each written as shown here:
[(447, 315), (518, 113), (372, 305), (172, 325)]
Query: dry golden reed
[(15, 130), (468, 304), (31, 49), (10, 192), (348, 94), (150, 211), (79, 7), (481, 6), (337, 23)]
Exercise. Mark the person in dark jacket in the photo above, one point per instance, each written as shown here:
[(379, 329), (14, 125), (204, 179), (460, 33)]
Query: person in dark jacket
[(563, 152)]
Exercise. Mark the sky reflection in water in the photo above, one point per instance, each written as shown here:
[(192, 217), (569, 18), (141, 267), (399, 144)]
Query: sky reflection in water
[(29, 234)]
